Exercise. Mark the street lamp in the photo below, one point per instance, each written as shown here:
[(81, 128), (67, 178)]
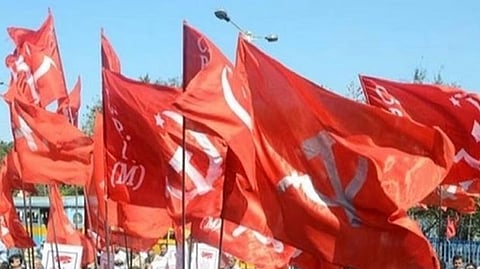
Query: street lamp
[(223, 15)]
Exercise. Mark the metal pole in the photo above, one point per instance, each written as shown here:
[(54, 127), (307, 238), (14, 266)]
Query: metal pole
[(76, 206), (32, 262), (184, 145), (220, 243), (25, 211)]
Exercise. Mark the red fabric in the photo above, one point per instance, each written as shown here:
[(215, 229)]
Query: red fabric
[(306, 261), (471, 186), (39, 80), (453, 196), (110, 59), (451, 229), (451, 109), (154, 129), (39, 48), (99, 208), (10, 161), (43, 38), (12, 232), (61, 231), (134, 166), (216, 97), (335, 174), (127, 222), (18, 87), (60, 152), (70, 106), (257, 248), (144, 222), (196, 49)]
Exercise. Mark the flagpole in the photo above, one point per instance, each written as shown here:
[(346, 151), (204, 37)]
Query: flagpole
[(220, 243), (25, 211), (469, 227), (440, 221), (184, 145), (31, 229), (126, 248), (107, 234), (106, 226)]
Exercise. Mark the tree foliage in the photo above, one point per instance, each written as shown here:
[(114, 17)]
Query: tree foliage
[(171, 82), (354, 92), (5, 147), (88, 124)]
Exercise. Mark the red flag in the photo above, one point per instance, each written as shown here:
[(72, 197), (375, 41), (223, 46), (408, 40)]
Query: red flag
[(341, 180), (159, 139), (133, 166), (134, 161), (18, 88), (38, 55), (60, 152), (257, 248), (306, 260), (453, 196), (451, 109), (110, 59), (43, 80), (12, 232), (12, 173), (100, 209), (43, 38), (196, 50), (127, 221), (150, 106), (217, 98), (61, 231), (70, 106), (451, 229)]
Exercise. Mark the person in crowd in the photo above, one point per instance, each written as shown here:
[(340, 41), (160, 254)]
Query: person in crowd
[(15, 259), (457, 262), (38, 263), (443, 264), (231, 262), (119, 258), (163, 250), (4, 265), (163, 260), (470, 266), (151, 256)]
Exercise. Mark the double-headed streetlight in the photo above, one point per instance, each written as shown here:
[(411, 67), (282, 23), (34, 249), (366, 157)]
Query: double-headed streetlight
[(223, 15)]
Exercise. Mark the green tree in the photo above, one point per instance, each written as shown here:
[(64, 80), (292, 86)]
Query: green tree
[(88, 124), (171, 82), (5, 147), (419, 75), (71, 190), (355, 92)]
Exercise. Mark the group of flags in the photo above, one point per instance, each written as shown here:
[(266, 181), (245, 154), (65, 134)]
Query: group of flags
[(255, 158)]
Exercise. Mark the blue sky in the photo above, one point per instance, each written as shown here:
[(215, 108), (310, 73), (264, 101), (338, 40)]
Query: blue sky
[(330, 42)]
